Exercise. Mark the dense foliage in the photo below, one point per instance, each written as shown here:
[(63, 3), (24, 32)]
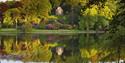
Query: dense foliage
[(85, 15), (75, 14), (77, 48)]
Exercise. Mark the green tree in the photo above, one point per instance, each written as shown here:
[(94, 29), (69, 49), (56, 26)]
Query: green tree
[(97, 16), (118, 19), (88, 18), (73, 2), (39, 8), (10, 17), (55, 3)]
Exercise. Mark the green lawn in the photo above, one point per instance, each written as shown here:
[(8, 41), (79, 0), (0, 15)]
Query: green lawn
[(11, 30)]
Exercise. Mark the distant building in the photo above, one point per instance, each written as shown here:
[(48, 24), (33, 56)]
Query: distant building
[(59, 11)]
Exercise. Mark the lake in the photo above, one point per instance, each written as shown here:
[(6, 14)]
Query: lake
[(60, 48)]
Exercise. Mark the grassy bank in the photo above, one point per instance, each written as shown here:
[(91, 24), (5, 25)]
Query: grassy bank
[(4, 31), (8, 30)]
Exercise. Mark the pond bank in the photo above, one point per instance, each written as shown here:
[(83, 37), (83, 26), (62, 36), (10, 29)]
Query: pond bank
[(14, 31)]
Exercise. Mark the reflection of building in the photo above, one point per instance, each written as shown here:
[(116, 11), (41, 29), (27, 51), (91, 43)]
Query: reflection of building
[(59, 50), (8, 0)]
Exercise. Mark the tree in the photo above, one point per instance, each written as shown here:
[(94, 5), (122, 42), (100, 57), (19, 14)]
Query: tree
[(117, 28), (118, 19), (39, 8), (55, 3), (88, 18), (10, 17), (73, 2), (3, 8), (98, 15)]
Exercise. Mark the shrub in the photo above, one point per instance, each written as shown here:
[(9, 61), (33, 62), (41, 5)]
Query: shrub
[(42, 25), (67, 26), (10, 17), (50, 26), (26, 27), (4, 7)]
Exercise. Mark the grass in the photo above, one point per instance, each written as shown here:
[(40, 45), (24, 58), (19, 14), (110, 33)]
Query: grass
[(61, 31), (54, 31), (8, 30)]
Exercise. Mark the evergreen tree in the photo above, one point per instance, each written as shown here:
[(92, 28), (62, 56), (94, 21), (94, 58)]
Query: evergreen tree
[(119, 18)]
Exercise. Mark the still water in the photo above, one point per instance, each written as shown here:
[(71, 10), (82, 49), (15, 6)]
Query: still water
[(60, 48)]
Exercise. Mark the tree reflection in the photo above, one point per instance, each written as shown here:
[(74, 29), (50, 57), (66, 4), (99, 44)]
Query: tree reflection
[(62, 48), (101, 48)]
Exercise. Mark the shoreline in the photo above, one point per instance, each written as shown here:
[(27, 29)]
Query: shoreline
[(60, 31)]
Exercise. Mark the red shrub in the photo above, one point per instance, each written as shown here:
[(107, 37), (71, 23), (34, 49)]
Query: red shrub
[(3, 7)]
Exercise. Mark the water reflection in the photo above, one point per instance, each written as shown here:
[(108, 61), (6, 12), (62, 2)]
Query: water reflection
[(73, 48)]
